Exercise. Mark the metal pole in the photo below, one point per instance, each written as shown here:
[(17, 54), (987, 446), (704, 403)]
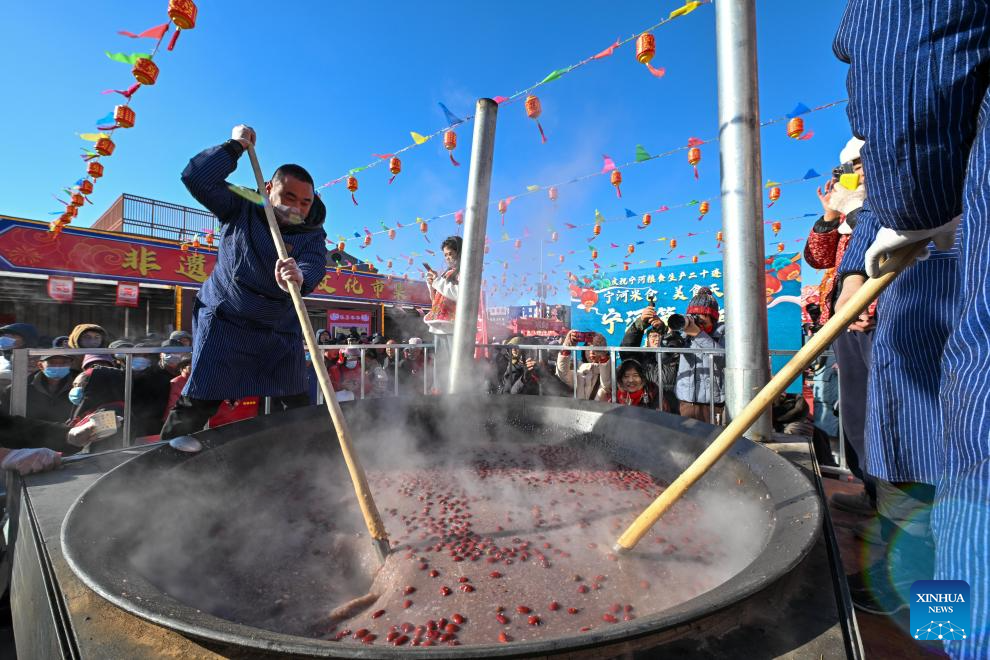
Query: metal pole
[(473, 252), (128, 393), (611, 366), (147, 317), (19, 373), (362, 372), (127, 321), (746, 369)]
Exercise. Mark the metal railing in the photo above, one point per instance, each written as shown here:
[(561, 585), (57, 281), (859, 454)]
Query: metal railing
[(22, 360)]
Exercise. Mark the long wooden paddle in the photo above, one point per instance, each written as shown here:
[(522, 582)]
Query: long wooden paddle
[(368, 509), (818, 343)]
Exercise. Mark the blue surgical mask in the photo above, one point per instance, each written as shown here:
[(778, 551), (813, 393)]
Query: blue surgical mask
[(76, 395), (7, 343), (140, 363), (307, 356), (56, 373)]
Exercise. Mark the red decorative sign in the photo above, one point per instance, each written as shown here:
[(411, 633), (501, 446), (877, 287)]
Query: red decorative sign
[(61, 288), (127, 294), (28, 247)]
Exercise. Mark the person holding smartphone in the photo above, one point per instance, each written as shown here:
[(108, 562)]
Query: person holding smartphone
[(444, 288), (700, 376)]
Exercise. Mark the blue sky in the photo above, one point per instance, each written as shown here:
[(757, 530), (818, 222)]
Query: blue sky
[(328, 84)]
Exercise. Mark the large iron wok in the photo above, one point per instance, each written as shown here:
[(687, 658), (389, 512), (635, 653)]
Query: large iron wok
[(191, 578)]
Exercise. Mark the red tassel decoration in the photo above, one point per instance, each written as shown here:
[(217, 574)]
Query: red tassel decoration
[(175, 37), (456, 164), (353, 199)]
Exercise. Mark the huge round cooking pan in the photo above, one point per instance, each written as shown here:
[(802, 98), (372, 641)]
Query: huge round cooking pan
[(189, 541)]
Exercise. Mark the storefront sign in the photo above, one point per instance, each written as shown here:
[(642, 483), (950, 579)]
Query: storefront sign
[(61, 288), (127, 294)]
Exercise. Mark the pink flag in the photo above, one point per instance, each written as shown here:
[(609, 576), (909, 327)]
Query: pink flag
[(608, 51), (609, 164), (156, 32)]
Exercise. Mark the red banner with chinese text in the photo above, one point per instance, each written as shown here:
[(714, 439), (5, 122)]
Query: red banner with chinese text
[(61, 288), (127, 294), (27, 247)]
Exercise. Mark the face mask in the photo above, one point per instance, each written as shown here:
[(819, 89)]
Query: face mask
[(288, 215), (140, 363), (76, 395), (350, 364), (56, 373), (307, 356), (7, 343)]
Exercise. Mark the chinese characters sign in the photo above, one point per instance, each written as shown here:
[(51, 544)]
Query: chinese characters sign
[(61, 288), (27, 246), (127, 294)]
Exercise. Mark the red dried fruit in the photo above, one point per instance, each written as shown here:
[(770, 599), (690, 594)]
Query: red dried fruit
[(407, 627), (615, 608), (431, 625), (434, 573), (501, 618), (534, 620), (572, 610), (628, 617), (495, 574), (628, 608), (600, 578), (466, 588), (583, 589), (522, 609), (377, 613), (361, 633), (457, 618), (503, 637), (399, 641), (369, 639), (452, 627), (444, 591), (586, 629), (408, 590), (608, 618), (554, 605), (392, 636), (406, 603)]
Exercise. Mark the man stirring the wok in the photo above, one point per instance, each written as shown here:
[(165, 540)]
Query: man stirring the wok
[(246, 337)]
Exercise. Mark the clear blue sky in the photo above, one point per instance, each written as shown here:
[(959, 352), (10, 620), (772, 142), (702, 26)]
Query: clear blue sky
[(327, 84)]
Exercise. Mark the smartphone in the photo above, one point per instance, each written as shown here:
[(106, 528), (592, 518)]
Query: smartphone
[(428, 267)]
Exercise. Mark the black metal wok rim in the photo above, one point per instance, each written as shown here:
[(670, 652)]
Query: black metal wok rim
[(761, 573)]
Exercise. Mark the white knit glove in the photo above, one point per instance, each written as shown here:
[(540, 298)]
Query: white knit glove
[(889, 240), (27, 461)]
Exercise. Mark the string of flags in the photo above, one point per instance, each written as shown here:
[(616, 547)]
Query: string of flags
[(645, 52), (182, 14), (693, 151)]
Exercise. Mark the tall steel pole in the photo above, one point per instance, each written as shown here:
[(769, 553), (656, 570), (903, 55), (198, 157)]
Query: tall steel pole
[(473, 252), (747, 365)]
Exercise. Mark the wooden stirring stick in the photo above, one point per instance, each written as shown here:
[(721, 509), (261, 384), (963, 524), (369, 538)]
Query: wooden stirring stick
[(818, 343), (368, 509)]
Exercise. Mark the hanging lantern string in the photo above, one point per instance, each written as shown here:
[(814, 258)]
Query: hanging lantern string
[(530, 190), (504, 100)]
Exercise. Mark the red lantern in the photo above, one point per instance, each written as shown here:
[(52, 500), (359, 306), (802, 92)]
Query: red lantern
[(104, 146), (341, 246), (94, 169), (561, 259), (552, 193), (694, 157), (617, 181), (594, 253), (423, 227), (70, 212), (598, 229), (718, 239), (517, 244), (209, 239), (77, 200), (394, 166), (533, 111), (702, 210), (673, 243), (553, 237), (647, 219), (184, 247), (646, 48), (694, 259), (659, 264), (450, 143), (780, 247), (776, 228), (391, 234), (195, 242), (367, 240), (182, 13), (85, 187), (145, 71), (352, 185), (459, 217), (774, 195), (124, 116), (388, 264), (631, 248), (795, 128), (625, 266), (503, 206)]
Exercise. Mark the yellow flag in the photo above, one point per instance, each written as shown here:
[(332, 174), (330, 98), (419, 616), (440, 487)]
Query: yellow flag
[(417, 138), (599, 218), (93, 137), (532, 188), (686, 9)]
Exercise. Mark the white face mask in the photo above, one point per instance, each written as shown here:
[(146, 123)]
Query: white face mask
[(350, 364), (288, 215)]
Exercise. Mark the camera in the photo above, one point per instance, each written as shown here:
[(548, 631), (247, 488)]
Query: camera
[(676, 322)]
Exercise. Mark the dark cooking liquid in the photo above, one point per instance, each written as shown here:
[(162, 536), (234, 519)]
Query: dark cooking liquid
[(507, 545)]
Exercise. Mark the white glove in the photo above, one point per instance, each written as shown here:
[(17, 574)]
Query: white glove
[(846, 201), (244, 134), (889, 240), (27, 461), (287, 269)]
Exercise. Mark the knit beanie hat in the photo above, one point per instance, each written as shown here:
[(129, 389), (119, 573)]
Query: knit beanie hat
[(704, 303)]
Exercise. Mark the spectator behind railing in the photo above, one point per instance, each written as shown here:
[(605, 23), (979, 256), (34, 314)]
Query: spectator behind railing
[(700, 375), (15, 335), (593, 377), (97, 389), (411, 369), (634, 388), (523, 373), (48, 390)]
